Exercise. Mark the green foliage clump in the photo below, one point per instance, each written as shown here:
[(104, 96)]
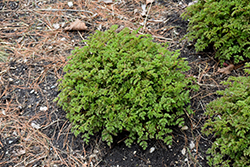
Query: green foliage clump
[(230, 123), (223, 24), (124, 82)]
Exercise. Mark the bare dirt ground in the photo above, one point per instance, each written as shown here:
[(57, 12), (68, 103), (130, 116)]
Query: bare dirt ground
[(34, 47)]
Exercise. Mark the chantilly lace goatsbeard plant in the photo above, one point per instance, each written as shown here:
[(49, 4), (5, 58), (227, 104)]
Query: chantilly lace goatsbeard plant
[(229, 122), (124, 82), (223, 24)]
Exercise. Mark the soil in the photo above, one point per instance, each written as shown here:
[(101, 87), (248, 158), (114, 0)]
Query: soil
[(36, 132)]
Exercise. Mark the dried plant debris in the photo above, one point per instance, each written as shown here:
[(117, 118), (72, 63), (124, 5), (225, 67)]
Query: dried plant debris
[(77, 25), (226, 70)]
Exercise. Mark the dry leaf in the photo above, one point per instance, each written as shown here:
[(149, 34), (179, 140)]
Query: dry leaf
[(226, 70), (149, 1), (77, 25)]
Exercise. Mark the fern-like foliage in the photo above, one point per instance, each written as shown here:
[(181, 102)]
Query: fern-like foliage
[(223, 24), (124, 81), (230, 123)]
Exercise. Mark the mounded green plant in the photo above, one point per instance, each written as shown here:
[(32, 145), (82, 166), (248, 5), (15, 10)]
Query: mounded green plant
[(230, 123), (124, 82), (223, 24)]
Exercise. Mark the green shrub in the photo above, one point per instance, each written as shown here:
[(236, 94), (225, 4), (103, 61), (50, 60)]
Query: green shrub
[(223, 24), (123, 82), (230, 123)]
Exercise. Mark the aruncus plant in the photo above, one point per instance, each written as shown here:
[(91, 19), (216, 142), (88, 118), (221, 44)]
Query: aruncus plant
[(124, 81)]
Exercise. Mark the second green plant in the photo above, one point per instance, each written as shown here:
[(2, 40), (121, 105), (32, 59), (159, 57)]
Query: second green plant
[(223, 24)]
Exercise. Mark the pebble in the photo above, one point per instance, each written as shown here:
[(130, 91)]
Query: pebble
[(14, 133), (52, 87), (56, 26), (107, 1), (43, 108), (191, 145), (35, 125), (63, 39), (184, 128), (152, 149), (183, 151), (70, 4)]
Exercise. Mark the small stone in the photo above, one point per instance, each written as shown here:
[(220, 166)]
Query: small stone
[(35, 125), (152, 149), (32, 91), (63, 39), (70, 4), (184, 128), (43, 108), (21, 152), (183, 151), (10, 79), (14, 133), (52, 87), (63, 24), (107, 1), (134, 152), (191, 145), (56, 26)]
